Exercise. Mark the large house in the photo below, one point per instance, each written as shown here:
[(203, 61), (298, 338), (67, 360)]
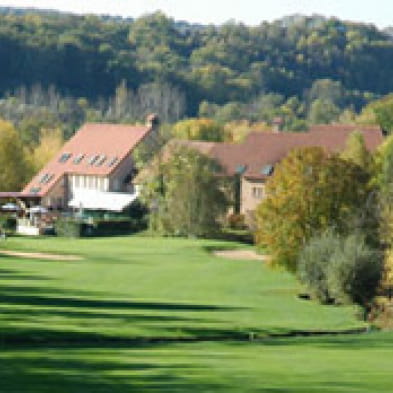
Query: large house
[(93, 170), (253, 160)]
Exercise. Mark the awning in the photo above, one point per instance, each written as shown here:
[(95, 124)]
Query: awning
[(100, 200), (38, 210), (10, 207)]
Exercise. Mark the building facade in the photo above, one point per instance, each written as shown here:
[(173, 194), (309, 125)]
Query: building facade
[(253, 161), (97, 162)]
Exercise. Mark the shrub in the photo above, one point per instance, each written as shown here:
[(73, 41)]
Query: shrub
[(313, 264), (71, 227), (355, 271), (237, 221), (345, 270), (111, 227), (236, 235), (8, 224), (67, 227)]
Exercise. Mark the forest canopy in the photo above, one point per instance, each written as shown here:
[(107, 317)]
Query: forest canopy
[(89, 56)]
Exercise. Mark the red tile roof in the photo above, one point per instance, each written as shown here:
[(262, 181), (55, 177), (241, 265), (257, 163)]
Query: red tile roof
[(343, 127), (109, 141), (261, 149)]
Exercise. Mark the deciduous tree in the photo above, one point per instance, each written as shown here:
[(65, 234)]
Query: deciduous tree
[(186, 195), (50, 143), (199, 129), (14, 170), (356, 151), (309, 192)]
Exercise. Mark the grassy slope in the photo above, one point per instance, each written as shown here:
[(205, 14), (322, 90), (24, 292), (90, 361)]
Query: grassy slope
[(360, 364), (142, 287), (132, 287)]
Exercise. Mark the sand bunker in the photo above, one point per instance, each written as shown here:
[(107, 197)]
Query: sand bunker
[(39, 255), (240, 254)]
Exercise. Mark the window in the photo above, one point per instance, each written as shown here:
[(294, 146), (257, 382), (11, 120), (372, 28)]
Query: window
[(93, 159), (267, 170), (240, 169), (128, 178), (113, 161), (64, 157), (78, 159), (35, 190), (101, 160), (43, 178), (46, 178), (116, 185), (258, 192)]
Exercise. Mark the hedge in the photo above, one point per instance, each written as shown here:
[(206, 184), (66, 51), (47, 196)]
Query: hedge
[(70, 227)]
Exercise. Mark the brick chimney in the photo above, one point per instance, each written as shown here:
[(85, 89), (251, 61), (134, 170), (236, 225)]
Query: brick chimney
[(152, 120), (277, 123)]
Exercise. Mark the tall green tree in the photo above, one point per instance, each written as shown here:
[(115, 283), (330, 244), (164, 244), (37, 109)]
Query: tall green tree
[(323, 111), (379, 112), (186, 194)]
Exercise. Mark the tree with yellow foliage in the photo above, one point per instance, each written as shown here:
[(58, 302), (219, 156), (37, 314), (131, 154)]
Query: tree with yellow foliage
[(356, 151), (310, 191), (50, 143), (379, 112), (14, 170), (199, 129)]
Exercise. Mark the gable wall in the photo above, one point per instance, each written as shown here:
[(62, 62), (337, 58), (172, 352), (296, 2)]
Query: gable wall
[(57, 197), (252, 193)]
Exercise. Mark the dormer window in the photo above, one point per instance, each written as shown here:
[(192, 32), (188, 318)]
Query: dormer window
[(101, 160), (113, 161), (64, 157), (46, 178), (267, 170), (240, 169), (43, 178), (93, 159), (78, 159), (35, 190)]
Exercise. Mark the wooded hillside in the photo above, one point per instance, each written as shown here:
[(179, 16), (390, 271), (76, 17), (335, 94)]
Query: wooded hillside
[(88, 56)]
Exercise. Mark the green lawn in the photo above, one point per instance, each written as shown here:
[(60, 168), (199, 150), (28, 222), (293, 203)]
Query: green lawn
[(361, 364), (87, 326), (142, 287)]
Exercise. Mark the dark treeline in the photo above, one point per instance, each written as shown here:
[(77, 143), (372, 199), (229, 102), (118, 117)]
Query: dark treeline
[(304, 64)]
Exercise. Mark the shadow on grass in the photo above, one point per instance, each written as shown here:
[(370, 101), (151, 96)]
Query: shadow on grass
[(38, 314), (223, 247), (7, 274), (147, 368), (345, 340), (56, 301), (49, 372)]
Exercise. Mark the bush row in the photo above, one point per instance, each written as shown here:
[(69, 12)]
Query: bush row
[(70, 227), (8, 224)]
